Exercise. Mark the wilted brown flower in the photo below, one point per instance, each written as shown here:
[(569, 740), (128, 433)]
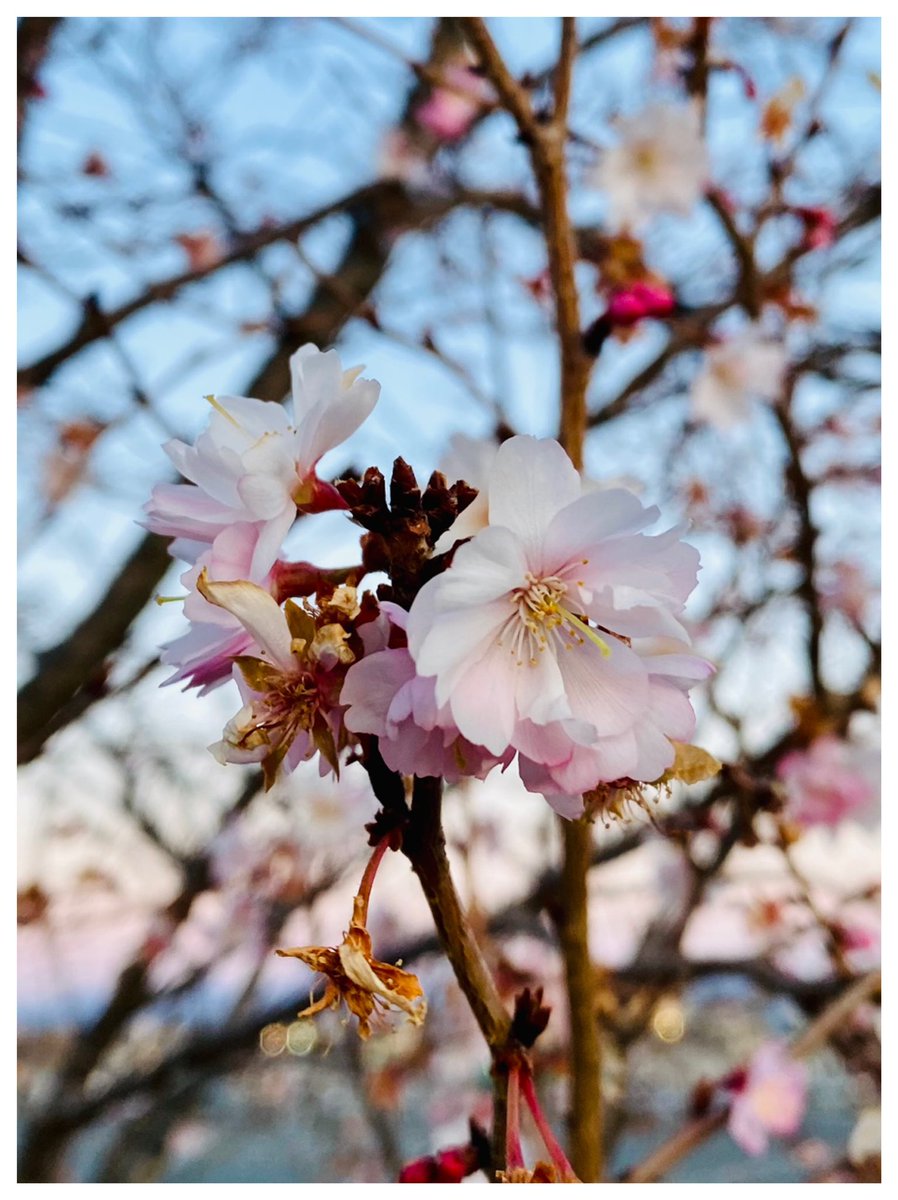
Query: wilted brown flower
[(356, 977)]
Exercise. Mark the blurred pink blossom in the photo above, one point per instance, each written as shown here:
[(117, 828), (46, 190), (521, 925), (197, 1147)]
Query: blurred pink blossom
[(204, 250), (826, 783), (820, 227), (769, 1097), (734, 372), (846, 590), (449, 112)]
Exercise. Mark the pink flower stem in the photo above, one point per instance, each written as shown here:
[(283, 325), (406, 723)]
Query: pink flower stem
[(514, 1155), (558, 1156), (370, 872)]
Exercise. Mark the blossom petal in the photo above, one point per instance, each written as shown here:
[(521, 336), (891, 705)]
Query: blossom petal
[(331, 422), (482, 703), (531, 480), (271, 536), (489, 566), (575, 531), (610, 693), (369, 689), (256, 610), (315, 376)]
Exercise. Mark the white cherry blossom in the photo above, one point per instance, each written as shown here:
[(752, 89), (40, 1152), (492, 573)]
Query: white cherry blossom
[(255, 464), (527, 633), (659, 165)]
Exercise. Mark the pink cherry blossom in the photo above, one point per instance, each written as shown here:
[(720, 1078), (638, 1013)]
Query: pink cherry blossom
[(826, 783), (526, 634), (770, 1097), (449, 112), (251, 464), (203, 656), (384, 696), (845, 588)]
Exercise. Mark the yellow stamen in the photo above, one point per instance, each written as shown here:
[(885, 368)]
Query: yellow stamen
[(220, 408), (160, 600), (587, 632)]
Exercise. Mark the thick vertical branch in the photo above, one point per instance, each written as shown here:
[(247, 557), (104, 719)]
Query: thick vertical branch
[(585, 1118), (546, 143)]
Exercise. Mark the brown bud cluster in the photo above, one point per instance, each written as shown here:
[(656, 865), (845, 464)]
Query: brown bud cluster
[(403, 530)]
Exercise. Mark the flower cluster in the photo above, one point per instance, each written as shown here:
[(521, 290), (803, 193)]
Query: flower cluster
[(537, 620)]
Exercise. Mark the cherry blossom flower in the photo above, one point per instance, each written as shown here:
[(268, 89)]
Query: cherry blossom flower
[(660, 165), (291, 689), (385, 696), (733, 373), (251, 464), (449, 112), (769, 1097), (826, 783), (527, 633)]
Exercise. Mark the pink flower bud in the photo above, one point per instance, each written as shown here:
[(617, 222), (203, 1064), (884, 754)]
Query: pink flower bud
[(819, 227), (631, 304), (422, 1170), (446, 1166)]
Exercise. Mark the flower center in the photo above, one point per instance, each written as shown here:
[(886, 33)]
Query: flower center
[(540, 618), (537, 604), (646, 158), (276, 715)]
